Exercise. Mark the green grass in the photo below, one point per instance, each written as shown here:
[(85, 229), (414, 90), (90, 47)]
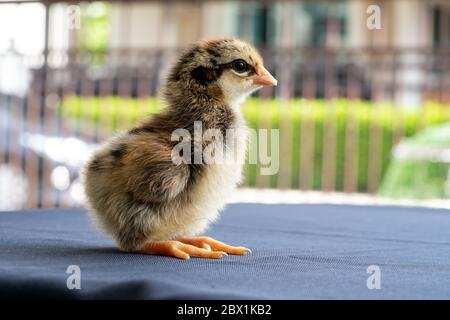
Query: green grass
[(116, 113)]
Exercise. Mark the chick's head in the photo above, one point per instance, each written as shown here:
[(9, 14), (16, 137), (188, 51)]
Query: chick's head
[(228, 68)]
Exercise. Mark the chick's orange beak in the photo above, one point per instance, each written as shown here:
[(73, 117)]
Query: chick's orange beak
[(263, 78)]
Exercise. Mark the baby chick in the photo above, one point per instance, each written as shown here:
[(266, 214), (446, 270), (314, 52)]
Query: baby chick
[(147, 200)]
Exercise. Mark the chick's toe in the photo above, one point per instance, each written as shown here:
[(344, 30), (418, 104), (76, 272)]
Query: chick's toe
[(214, 245), (179, 250)]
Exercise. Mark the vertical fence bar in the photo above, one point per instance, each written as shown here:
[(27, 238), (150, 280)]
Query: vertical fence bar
[(264, 123), (309, 81), (351, 155), (143, 85), (42, 96), (106, 92), (23, 129), (445, 79), (58, 100), (49, 126), (4, 125), (41, 124), (375, 152), (395, 64), (31, 123), (398, 128), (330, 88), (88, 106), (329, 150), (7, 125), (353, 86), (124, 93), (306, 152), (71, 89), (285, 163), (14, 133), (251, 169)]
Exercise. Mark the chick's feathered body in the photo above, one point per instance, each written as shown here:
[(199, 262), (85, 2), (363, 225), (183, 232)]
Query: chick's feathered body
[(137, 192)]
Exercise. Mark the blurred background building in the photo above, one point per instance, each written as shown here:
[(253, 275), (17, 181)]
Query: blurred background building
[(350, 88)]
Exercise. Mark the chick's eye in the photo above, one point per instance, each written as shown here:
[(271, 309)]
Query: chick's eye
[(240, 65)]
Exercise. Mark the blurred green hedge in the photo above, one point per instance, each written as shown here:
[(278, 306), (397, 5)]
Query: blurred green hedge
[(115, 113)]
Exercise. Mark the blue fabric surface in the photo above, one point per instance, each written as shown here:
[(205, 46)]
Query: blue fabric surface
[(299, 252)]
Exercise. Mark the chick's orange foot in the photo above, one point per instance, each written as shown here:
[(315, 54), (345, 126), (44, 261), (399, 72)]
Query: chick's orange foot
[(183, 248), (215, 245), (179, 250)]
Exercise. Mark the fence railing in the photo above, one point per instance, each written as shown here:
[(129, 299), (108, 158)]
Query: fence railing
[(331, 144), (367, 73)]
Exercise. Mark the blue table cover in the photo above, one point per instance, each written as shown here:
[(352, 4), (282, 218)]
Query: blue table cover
[(299, 252)]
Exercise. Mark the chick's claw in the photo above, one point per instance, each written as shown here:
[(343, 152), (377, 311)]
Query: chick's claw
[(215, 245), (179, 250)]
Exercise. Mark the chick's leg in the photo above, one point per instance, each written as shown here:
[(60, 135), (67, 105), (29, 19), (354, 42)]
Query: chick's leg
[(179, 250), (209, 243)]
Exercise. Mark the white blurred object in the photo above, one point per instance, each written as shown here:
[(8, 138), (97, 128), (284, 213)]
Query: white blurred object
[(60, 177), (13, 189), (77, 192), (14, 75), (274, 196), (405, 151), (70, 151)]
